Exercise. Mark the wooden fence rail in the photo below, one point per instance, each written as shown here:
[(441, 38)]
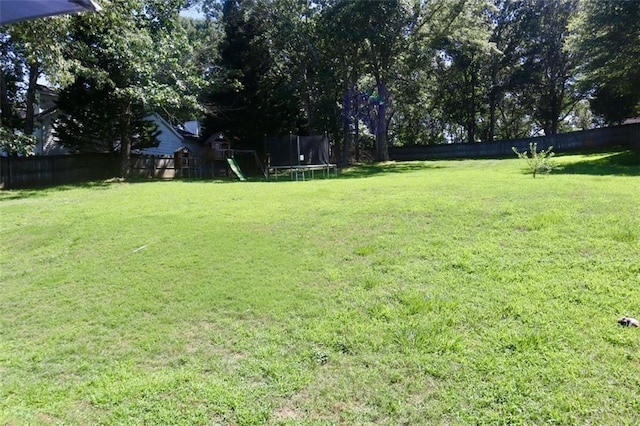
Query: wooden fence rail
[(38, 171), (626, 135)]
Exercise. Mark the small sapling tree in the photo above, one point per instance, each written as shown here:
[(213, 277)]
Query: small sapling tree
[(537, 161)]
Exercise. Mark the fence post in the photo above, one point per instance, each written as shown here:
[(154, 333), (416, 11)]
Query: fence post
[(52, 165), (9, 173)]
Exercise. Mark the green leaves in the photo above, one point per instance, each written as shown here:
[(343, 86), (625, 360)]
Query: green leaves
[(15, 143), (605, 36), (137, 49), (131, 59), (537, 161)]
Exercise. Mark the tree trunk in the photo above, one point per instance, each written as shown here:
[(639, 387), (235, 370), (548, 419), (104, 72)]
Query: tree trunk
[(471, 123), (554, 114), (307, 101), (34, 72), (125, 141), (492, 120), (6, 110), (356, 133), (346, 125), (493, 100), (382, 148)]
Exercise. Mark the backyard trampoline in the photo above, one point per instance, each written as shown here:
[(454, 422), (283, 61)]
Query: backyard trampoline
[(299, 157)]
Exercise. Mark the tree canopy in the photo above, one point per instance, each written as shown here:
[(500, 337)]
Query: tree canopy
[(371, 74), (607, 39)]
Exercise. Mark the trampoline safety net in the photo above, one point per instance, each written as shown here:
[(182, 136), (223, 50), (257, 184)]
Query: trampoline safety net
[(295, 150)]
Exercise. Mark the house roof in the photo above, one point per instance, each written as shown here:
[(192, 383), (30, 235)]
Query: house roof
[(187, 135), (44, 114), (46, 90), (50, 108), (166, 124)]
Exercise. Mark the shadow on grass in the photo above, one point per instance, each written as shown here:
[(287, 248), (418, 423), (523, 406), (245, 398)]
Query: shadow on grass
[(625, 163), (41, 191), (376, 169), (19, 194), (24, 193)]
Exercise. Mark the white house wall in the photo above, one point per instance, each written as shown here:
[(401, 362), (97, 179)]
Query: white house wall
[(46, 140), (169, 139)]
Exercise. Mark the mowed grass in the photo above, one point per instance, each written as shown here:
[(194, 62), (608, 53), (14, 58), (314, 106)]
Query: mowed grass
[(449, 292)]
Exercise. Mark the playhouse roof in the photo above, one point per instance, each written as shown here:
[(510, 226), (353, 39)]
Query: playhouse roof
[(216, 137)]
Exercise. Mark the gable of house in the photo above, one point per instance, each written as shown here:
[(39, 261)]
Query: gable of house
[(47, 143), (46, 114), (170, 140)]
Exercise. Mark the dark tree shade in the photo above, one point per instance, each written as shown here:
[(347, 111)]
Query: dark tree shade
[(92, 122), (608, 42)]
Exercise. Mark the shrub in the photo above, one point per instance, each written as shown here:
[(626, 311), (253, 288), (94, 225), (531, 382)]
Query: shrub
[(537, 161)]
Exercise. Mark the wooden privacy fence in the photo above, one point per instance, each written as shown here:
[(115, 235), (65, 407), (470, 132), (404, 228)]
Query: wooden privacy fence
[(154, 166), (39, 171), (29, 172), (626, 135)]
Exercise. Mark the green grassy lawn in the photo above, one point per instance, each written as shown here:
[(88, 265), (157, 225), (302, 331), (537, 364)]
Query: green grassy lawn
[(449, 292)]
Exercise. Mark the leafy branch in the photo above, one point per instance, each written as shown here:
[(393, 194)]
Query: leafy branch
[(16, 143), (537, 161)]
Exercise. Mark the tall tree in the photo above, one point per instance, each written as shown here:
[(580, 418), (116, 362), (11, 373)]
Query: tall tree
[(267, 54), (41, 42), (441, 79), (607, 40), (463, 87), (92, 120), (342, 65), (384, 26), (549, 65), (506, 110), (204, 37), (524, 80), (12, 63), (30, 49), (133, 50), (387, 48)]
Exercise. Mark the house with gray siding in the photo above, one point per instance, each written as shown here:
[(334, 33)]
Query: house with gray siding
[(170, 138)]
